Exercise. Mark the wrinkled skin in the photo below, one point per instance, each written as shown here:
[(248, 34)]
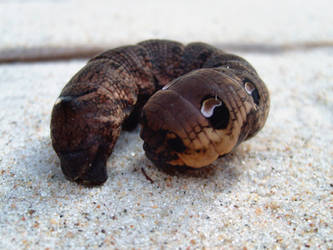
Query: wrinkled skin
[(210, 102)]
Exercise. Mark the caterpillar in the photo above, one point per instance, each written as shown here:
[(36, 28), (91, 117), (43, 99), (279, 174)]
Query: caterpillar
[(195, 103)]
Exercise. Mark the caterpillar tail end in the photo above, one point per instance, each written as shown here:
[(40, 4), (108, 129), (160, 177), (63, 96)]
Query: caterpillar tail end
[(81, 144)]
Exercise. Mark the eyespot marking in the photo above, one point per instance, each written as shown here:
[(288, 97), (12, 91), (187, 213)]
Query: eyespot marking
[(208, 106), (216, 112), (252, 90), (249, 88)]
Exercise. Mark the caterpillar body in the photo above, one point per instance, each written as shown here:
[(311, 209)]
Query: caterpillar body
[(194, 102)]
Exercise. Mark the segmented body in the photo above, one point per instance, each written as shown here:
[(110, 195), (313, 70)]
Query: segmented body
[(211, 101)]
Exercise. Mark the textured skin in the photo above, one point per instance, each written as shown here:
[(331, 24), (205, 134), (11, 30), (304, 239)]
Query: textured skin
[(110, 91)]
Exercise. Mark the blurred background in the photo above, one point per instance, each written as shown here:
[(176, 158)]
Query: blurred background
[(70, 28)]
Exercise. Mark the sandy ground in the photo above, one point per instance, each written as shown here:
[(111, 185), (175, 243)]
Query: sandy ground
[(274, 191)]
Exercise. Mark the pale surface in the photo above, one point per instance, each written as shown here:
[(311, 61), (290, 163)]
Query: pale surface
[(273, 191), (28, 23)]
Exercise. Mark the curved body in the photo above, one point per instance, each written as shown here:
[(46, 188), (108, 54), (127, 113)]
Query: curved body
[(210, 102)]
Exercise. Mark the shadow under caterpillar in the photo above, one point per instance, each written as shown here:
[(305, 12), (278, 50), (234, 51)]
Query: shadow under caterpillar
[(206, 103)]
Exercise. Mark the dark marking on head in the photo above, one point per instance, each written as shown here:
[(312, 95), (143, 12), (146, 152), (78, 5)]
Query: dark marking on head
[(220, 118), (215, 111), (251, 89), (176, 144)]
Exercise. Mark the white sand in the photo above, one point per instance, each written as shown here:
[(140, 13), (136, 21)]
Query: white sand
[(274, 191)]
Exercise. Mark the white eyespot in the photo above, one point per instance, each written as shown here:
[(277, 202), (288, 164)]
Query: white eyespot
[(249, 87), (208, 106)]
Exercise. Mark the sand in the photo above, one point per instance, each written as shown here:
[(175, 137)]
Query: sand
[(273, 191)]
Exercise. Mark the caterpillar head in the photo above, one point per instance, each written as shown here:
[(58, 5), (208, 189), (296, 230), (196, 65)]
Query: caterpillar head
[(199, 117)]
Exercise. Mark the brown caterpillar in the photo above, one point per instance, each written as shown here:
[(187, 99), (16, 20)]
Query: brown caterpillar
[(210, 102)]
